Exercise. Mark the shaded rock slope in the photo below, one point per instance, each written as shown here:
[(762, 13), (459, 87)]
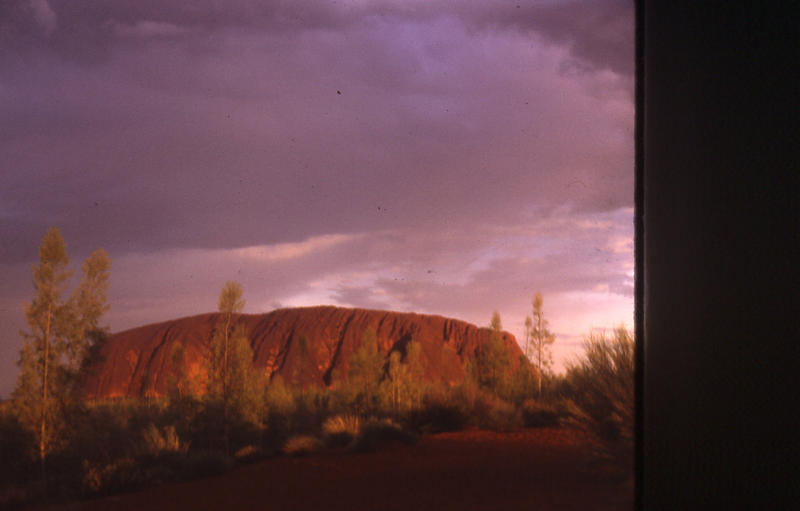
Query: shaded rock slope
[(141, 361)]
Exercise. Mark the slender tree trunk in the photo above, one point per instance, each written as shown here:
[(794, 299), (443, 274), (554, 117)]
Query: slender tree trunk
[(527, 339), (225, 385), (539, 377), (43, 418), (539, 351)]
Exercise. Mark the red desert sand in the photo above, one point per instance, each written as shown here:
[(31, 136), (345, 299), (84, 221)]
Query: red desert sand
[(532, 469)]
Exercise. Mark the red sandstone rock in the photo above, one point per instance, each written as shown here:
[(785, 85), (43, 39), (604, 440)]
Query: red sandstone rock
[(139, 361)]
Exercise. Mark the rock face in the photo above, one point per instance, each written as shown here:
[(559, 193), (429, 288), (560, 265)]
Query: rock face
[(141, 361)]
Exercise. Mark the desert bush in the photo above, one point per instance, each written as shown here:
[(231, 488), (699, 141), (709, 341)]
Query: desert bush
[(600, 390), (182, 412), (311, 407), (131, 474), (439, 413), (299, 445), (121, 475), (492, 412), (340, 430), (280, 407), (207, 429), (375, 433), (102, 433), (541, 414)]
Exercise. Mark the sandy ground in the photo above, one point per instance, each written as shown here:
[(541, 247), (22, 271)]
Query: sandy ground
[(534, 469)]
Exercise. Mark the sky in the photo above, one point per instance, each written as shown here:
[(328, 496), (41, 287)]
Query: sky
[(433, 156)]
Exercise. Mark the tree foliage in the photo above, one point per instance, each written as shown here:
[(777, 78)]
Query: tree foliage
[(541, 339), (304, 372), (181, 384), (365, 372), (60, 335), (87, 306), (523, 381), (494, 359), (528, 329), (403, 385), (233, 382)]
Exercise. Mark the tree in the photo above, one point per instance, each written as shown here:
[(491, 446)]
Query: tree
[(62, 334), (395, 375), (542, 338), (180, 385), (304, 372), (528, 328), (42, 381), (366, 370), (494, 359), (404, 377), (414, 371), (523, 381), (233, 381), (86, 307), (230, 304)]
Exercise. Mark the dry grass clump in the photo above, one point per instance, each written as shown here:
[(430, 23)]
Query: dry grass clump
[(340, 430), (299, 445), (346, 423), (156, 441)]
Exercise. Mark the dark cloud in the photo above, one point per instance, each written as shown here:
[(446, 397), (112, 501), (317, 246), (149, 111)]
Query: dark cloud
[(598, 34), (163, 146)]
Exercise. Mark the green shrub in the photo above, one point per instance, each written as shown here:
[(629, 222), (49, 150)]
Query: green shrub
[(299, 445)]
